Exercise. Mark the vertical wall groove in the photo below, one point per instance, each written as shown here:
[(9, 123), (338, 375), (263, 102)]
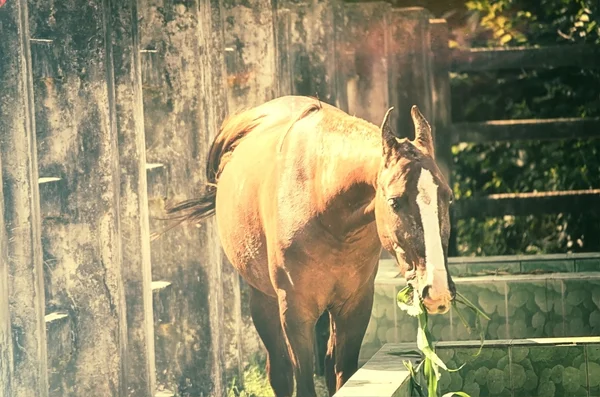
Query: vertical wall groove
[(6, 351), (107, 11), (128, 143), (142, 188), (21, 204)]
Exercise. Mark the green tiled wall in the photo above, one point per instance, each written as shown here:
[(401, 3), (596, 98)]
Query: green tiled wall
[(524, 369), (587, 265), (550, 305)]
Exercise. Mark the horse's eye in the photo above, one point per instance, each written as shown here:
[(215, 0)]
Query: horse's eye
[(395, 202)]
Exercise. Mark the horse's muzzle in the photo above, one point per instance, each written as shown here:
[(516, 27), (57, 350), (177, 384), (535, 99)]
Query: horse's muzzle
[(436, 303)]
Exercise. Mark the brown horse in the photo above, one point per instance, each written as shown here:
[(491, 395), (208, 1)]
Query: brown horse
[(305, 197)]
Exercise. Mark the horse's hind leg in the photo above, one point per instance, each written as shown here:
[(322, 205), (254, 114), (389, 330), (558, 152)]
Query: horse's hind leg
[(349, 324), (265, 314), (298, 322)]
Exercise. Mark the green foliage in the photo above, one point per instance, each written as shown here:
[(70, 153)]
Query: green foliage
[(511, 167), (256, 383), (427, 374)]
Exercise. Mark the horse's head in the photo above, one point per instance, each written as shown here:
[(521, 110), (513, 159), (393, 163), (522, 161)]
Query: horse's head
[(411, 211)]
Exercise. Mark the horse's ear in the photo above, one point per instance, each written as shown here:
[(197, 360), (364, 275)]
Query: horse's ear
[(423, 137), (388, 137)]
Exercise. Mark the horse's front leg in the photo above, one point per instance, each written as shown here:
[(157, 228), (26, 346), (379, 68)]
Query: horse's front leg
[(349, 323)]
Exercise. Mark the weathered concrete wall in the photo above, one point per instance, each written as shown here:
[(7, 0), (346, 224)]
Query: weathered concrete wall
[(6, 353), (90, 146), (364, 59), (21, 212), (224, 283), (77, 142), (251, 52), (410, 66), (283, 57), (184, 102), (127, 116), (118, 102), (313, 54)]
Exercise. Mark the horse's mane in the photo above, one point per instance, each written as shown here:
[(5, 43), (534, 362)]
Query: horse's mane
[(232, 131)]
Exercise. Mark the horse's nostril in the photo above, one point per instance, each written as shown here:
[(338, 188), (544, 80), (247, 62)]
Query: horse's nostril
[(425, 292)]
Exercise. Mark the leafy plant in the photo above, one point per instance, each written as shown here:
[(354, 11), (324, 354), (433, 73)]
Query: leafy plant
[(512, 167), (408, 300)]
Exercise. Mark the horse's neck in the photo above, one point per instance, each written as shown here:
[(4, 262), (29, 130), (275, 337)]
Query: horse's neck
[(345, 161), (346, 177)]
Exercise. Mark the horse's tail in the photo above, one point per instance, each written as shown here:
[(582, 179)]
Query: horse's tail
[(192, 211), (196, 209)]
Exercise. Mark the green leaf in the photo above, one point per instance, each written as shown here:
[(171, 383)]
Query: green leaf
[(506, 38), (478, 314), (423, 345), (462, 299), (413, 377), (432, 378), (404, 294), (456, 393), (409, 300)]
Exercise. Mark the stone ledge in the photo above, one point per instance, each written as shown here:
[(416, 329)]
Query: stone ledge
[(388, 274), (384, 375), (510, 367), (510, 264)]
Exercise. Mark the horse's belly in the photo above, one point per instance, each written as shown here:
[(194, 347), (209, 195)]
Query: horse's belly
[(340, 268)]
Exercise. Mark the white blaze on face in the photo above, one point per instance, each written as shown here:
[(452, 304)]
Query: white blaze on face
[(427, 202)]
